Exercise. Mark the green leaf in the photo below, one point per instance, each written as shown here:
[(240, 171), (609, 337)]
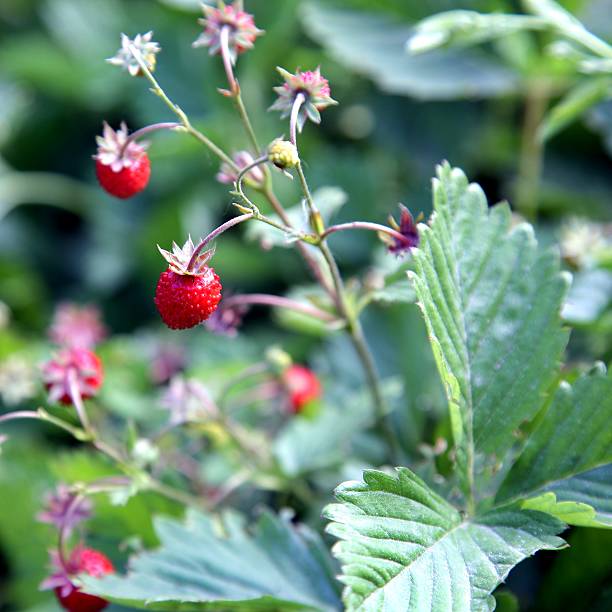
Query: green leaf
[(210, 563), (593, 488), (462, 28), (575, 104), (405, 548), (573, 437), (491, 303), (374, 45), (572, 513)]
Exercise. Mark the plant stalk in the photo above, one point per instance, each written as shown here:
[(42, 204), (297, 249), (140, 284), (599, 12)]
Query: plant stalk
[(532, 151), (178, 111)]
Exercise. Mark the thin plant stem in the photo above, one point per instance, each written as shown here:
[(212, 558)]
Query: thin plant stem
[(182, 497), (178, 111), (247, 122), (356, 332), (43, 415), (279, 302), (218, 231), (256, 369), (306, 190), (235, 89), (267, 190), (64, 530), (363, 225), (227, 59), (19, 414), (295, 111), (257, 214), (167, 125), (532, 151), (307, 256), (77, 400)]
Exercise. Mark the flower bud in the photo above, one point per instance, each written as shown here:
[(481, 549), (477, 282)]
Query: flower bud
[(283, 154)]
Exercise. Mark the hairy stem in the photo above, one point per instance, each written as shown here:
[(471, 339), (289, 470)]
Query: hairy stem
[(295, 112), (363, 225), (235, 88), (279, 302), (532, 151), (307, 256), (356, 332), (182, 497), (216, 232), (227, 59), (178, 111), (168, 125)]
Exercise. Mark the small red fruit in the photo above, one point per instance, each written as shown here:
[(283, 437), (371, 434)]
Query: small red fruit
[(128, 181), (123, 168), (84, 561), (187, 295), (78, 364), (303, 386)]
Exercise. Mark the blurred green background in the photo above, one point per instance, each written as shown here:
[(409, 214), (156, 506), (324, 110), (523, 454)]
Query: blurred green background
[(62, 238)]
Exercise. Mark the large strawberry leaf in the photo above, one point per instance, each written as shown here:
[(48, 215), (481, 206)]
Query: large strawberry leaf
[(405, 548), (491, 303), (216, 563), (568, 452)]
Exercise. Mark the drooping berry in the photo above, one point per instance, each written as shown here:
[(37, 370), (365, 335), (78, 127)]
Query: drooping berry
[(314, 89), (242, 30), (123, 170), (70, 366), (302, 385), (187, 292), (82, 561)]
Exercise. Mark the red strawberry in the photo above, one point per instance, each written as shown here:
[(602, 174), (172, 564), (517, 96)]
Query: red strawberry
[(187, 295), (78, 363), (303, 386), (123, 168), (128, 181), (84, 561)]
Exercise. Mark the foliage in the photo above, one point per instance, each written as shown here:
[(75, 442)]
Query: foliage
[(478, 431)]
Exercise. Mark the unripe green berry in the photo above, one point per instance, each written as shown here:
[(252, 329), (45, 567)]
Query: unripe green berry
[(278, 359), (283, 154)]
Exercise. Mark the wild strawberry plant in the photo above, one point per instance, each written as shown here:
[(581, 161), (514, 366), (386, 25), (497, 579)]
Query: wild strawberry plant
[(530, 449)]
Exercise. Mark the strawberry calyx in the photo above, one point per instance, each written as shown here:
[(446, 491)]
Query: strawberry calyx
[(188, 260), (117, 150)]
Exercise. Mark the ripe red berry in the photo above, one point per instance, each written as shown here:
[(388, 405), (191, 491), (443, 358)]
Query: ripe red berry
[(128, 181), (189, 291), (122, 166), (185, 300), (76, 363), (93, 563), (303, 386)]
